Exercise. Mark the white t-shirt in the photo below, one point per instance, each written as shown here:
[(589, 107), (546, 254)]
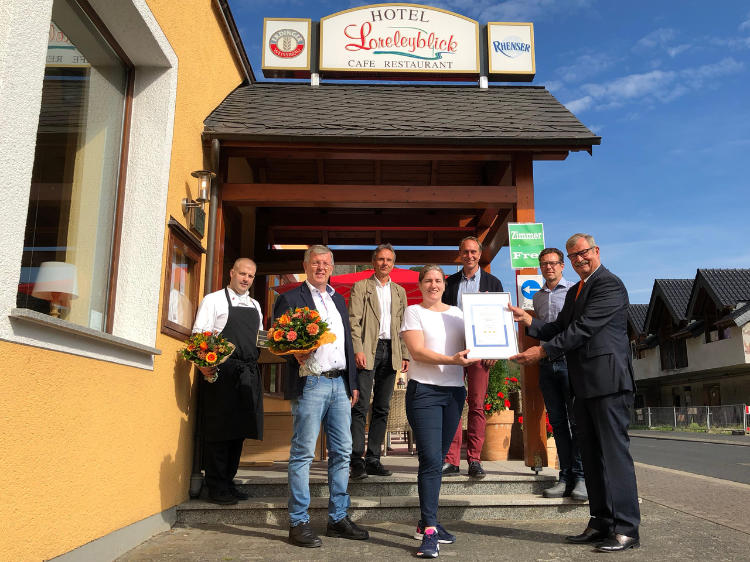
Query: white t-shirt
[(443, 333)]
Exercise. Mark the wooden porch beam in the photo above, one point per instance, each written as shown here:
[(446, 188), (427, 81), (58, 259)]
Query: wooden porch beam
[(290, 261), (369, 196), (495, 238)]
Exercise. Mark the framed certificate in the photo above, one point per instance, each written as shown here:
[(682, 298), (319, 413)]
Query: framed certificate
[(490, 332)]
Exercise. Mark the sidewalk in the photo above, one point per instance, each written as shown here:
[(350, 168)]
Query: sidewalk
[(684, 517), (667, 534), (742, 440)]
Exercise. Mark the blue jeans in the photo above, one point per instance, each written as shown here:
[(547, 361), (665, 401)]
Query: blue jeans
[(323, 401), (434, 413), (553, 382)]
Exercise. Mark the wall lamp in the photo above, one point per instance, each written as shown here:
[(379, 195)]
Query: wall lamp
[(204, 190)]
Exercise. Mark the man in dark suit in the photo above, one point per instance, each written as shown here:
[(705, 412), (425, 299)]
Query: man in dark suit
[(324, 394), (471, 279), (591, 330)]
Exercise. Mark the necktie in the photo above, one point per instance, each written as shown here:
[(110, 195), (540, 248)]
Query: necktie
[(578, 292)]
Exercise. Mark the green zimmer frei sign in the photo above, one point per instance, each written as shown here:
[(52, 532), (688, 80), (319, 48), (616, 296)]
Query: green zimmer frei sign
[(526, 243)]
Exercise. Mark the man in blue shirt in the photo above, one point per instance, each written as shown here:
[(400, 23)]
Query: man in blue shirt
[(471, 279), (553, 382)]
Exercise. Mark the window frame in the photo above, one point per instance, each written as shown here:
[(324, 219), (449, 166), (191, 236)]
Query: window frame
[(191, 247), (114, 264)]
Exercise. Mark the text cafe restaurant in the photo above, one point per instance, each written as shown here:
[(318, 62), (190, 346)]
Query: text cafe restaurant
[(354, 164)]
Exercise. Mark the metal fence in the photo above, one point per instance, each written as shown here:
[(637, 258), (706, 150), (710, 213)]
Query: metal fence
[(692, 418)]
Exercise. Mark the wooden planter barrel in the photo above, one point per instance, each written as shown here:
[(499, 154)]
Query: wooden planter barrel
[(497, 436)]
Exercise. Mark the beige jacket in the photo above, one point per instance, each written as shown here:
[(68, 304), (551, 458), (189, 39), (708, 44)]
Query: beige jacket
[(364, 316)]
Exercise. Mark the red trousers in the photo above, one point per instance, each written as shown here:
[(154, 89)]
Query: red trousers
[(477, 378)]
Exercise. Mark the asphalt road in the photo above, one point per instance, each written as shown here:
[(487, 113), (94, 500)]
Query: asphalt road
[(724, 461)]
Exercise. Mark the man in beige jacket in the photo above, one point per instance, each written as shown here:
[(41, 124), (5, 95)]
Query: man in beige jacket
[(376, 309)]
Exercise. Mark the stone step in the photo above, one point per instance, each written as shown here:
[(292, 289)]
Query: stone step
[(468, 507), (493, 484)]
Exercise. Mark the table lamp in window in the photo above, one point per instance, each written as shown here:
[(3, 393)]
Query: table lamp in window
[(58, 284)]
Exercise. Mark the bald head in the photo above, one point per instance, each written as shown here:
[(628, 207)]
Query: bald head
[(242, 275)]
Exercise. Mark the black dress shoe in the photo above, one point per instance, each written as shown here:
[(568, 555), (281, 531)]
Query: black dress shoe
[(450, 469), (616, 543), (358, 472), (222, 498), (303, 535), (476, 470), (376, 469), (346, 529), (588, 536), (238, 494)]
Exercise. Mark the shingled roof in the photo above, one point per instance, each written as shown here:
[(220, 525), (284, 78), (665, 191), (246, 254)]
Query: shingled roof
[(424, 114), (637, 317), (727, 288), (675, 296)]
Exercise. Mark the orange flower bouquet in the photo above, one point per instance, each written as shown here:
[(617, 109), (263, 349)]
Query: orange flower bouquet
[(207, 349), (298, 331)]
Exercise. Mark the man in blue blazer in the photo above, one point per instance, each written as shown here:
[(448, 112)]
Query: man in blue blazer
[(470, 279), (324, 395), (591, 331)]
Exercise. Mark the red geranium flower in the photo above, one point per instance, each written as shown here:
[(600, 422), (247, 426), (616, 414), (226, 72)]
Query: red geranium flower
[(487, 407), (513, 379), (520, 419), (507, 403), (500, 395)]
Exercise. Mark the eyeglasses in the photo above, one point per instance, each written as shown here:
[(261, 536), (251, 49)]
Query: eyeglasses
[(582, 253), (321, 265), (549, 264)]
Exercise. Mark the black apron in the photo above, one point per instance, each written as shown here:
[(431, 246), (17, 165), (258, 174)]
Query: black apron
[(233, 405)]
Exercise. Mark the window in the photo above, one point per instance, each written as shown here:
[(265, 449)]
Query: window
[(181, 281), (71, 227)]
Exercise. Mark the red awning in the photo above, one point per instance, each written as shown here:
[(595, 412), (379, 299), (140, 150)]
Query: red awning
[(407, 278)]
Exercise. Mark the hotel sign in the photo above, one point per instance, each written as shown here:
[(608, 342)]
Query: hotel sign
[(510, 48), (286, 47), (386, 39)]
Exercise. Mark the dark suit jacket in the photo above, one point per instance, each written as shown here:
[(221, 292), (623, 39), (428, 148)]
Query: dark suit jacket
[(488, 283), (592, 333), (300, 297)]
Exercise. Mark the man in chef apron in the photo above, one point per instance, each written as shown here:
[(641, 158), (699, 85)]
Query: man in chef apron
[(231, 407)]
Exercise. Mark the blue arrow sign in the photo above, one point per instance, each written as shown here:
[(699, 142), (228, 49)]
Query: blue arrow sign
[(529, 288)]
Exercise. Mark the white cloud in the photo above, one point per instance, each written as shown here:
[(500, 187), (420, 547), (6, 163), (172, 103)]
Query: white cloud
[(745, 25), (580, 104), (657, 38), (651, 87), (585, 66), (511, 10), (674, 51)]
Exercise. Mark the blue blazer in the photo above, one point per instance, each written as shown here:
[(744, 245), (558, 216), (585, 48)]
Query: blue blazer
[(300, 297), (592, 332)]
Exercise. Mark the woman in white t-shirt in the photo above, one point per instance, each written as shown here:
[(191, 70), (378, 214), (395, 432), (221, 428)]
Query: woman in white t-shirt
[(434, 334)]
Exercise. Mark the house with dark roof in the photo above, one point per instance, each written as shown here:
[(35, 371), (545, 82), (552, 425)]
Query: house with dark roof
[(694, 346)]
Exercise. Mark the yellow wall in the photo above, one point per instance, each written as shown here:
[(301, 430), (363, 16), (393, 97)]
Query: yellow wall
[(89, 446)]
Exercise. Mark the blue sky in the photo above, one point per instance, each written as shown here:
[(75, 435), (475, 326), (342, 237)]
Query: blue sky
[(666, 85)]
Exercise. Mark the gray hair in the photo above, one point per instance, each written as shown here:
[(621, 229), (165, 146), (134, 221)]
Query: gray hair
[(573, 240), (472, 238), (385, 246), (430, 267), (316, 249)]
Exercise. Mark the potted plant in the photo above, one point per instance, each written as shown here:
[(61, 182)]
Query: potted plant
[(497, 409)]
